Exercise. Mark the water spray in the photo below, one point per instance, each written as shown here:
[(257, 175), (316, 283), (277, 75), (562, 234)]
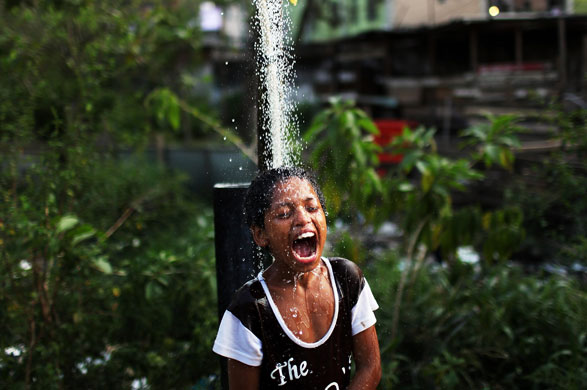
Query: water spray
[(238, 259), (275, 71)]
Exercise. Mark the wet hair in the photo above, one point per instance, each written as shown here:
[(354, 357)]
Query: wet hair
[(260, 193)]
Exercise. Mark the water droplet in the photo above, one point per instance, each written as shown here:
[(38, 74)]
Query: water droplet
[(226, 63), (224, 138), (230, 160), (240, 168), (277, 75), (232, 120)]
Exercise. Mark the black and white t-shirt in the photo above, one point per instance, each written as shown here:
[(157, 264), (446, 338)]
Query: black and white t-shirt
[(253, 332)]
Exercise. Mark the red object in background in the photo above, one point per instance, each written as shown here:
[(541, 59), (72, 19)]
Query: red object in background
[(388, 129), (509, 67)]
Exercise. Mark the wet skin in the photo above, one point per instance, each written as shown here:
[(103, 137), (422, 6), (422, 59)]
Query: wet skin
[(295, 210), (298, 280)]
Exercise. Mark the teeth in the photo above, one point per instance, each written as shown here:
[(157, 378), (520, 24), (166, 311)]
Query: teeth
[(305, 235)]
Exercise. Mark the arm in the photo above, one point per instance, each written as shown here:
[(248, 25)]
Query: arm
[(367, 359), (242, 376)]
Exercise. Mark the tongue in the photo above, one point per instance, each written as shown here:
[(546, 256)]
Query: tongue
[(303, 248)]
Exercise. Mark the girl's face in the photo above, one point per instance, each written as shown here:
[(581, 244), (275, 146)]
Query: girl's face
[(295, 226)]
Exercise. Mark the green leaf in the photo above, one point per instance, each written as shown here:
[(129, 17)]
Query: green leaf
[(368, 125), (82, 233), (492, 153), (375, 180), (427, 181), (173, 113), (423, 167), (506, 158), (66, 222), (409, 160), (359, 154), (103, 265), (317, 127), (163, 280)]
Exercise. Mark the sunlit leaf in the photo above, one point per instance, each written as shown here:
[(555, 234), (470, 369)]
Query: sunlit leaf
[(423, 167), (103, 265), (359, 154), (173, 114), (426, 182), (505, 158), (368, 125), (66, 222)]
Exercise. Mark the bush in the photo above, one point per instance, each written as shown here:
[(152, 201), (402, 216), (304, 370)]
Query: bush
[(460, 329), (551, 194), (555, 210), (108, 277)]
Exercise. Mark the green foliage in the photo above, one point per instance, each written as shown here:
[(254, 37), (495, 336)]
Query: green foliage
[(169, 298), (107, 265), (465, 326), (495, 140), (99, 293), (463, 330), (429, 217), (580, 6), (420, 189), (168, 106), (572, 126), (82, 67), (503, 233), (345, 157), (552, 197)]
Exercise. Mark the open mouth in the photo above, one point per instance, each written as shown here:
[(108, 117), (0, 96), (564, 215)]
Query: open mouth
[(304, 246)]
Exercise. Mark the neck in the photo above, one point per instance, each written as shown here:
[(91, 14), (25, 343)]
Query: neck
[(280, 276)]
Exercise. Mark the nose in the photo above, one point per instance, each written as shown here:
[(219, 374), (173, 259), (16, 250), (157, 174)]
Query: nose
[(302, 216)]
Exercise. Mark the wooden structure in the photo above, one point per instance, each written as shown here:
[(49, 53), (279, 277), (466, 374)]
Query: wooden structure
[(448, 75)]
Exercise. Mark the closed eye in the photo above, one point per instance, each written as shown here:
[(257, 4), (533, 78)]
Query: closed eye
[(283, 214)]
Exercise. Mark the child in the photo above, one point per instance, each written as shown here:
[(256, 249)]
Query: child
[(297, 324)]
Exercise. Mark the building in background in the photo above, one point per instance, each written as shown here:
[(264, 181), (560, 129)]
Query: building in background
[(332, 19), (442, 63)]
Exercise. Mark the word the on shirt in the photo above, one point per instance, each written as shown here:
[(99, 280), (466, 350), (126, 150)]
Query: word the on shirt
[(292, 372)]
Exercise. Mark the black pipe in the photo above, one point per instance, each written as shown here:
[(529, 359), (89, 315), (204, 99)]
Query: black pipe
[(238, 259)]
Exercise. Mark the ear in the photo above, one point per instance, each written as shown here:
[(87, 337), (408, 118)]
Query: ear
[(259, 236)]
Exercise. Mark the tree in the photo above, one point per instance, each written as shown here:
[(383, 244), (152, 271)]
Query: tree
[(94, 293)]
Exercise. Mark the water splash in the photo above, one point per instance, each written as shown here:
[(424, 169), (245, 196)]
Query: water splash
[(275, 70)]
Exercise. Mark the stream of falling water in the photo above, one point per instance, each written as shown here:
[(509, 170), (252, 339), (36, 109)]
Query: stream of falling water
[(275, 70)]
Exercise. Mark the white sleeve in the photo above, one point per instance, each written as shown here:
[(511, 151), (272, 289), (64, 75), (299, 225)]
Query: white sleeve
[(362, 313), (235, 341)]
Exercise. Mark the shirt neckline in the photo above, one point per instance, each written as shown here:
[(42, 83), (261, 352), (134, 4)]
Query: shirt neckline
[(281, 321)]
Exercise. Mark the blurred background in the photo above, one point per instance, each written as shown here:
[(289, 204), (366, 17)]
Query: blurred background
[(450, 138)]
